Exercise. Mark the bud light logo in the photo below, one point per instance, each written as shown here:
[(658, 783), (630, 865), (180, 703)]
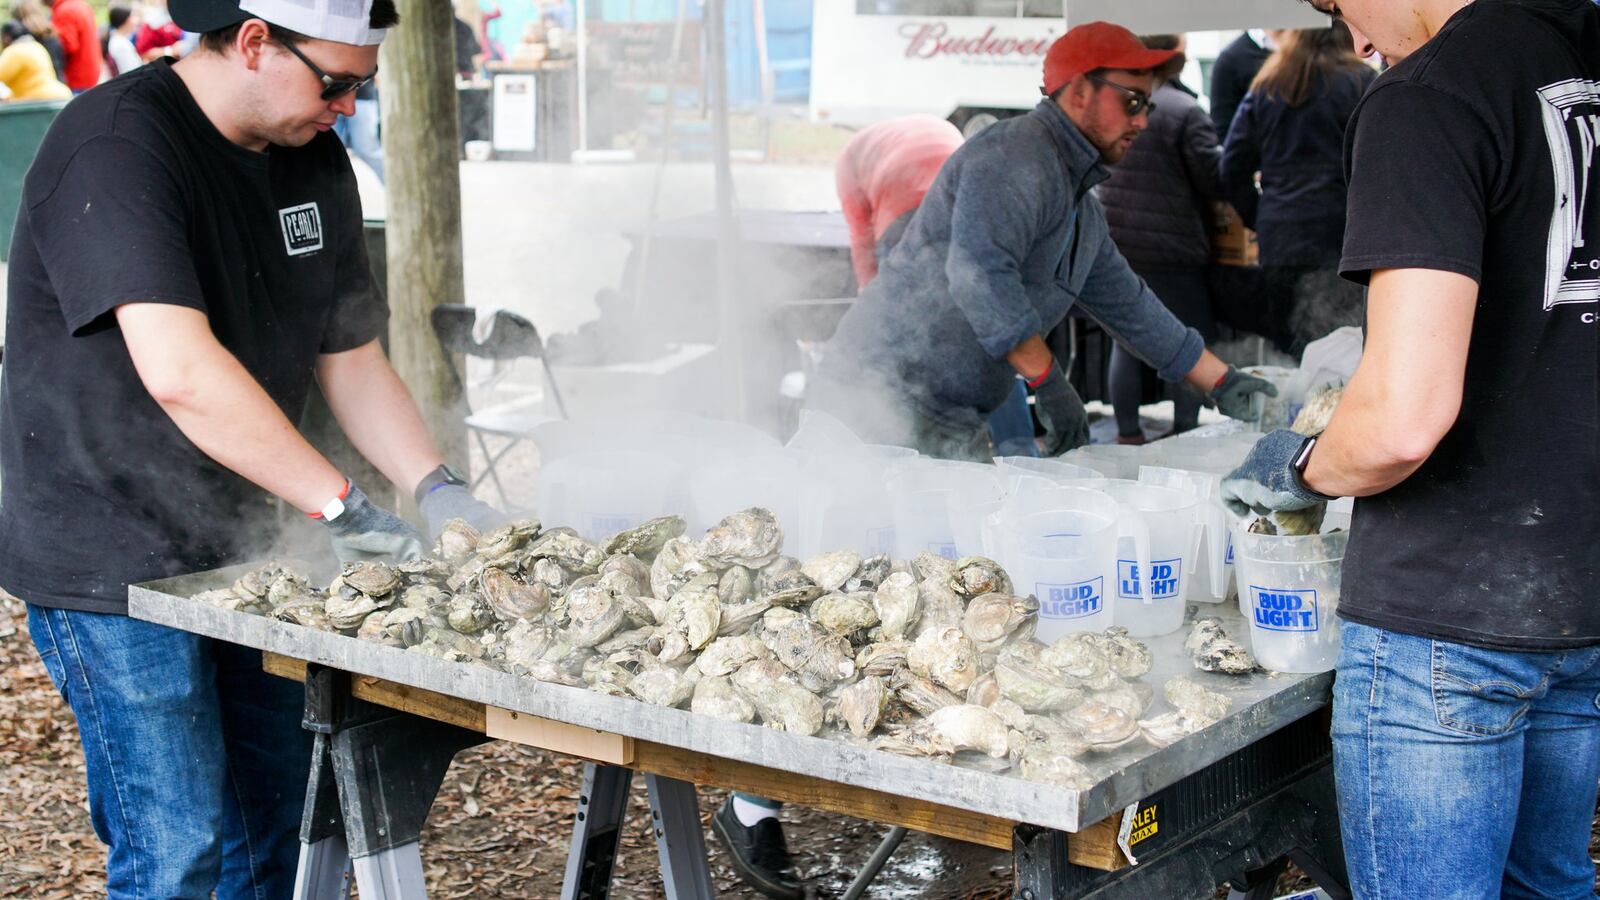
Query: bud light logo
[(880, 540), (607, 523), (943, 548), (1228, 559), (1070, 601), (1279, 610), (1166, 573)]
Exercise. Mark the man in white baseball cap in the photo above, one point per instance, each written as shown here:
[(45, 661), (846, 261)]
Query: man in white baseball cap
[(187, 257)]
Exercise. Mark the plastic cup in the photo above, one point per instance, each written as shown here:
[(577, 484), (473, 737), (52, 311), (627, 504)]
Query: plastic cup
[(845, 502), (1208, 583), (1110, 460), (1153, 604), (1290, 586), (1065, 559), (1015, 468), (926, 495), (720, 487)]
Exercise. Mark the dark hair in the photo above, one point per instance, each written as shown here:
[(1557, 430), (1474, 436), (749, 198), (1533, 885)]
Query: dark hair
[(117, 16), (1304, 56), (12, 29), (383, 15), (1172, 67)]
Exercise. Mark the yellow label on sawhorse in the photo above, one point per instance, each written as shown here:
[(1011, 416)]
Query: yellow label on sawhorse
[(547, 734)]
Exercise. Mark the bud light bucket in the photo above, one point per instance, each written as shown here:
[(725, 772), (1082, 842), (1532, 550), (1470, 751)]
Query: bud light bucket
[(1150, 594), (1289, 587)]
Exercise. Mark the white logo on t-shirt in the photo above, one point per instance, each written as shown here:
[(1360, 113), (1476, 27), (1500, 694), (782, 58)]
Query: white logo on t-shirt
[(1571, 112), (302, 228)]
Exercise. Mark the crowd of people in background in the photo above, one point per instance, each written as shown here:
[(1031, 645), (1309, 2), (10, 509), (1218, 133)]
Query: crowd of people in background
[(55, 50), (1271, 147)]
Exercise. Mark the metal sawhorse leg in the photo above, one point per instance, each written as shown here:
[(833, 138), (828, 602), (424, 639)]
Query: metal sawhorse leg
[(374, 774), (674, 819)]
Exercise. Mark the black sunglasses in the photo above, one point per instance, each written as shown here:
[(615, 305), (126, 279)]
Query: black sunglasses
[(332, 88), (1138, 101)]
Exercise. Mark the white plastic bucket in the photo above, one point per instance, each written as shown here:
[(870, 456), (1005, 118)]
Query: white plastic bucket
[(1208, 583), (928, 496), (1061, 547), (723, 486), (1290, 588), (1016, 468), (845, 502), (607, 491), (1153, 604), (1110, 460)]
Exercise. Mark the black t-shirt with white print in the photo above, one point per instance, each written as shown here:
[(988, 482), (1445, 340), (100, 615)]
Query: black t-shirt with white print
[(1478, 155), (135, 196)]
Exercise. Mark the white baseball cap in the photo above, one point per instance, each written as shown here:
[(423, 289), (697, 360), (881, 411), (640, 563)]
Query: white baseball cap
[(342, 21)]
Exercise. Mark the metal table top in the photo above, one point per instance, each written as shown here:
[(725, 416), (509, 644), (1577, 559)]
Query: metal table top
[(1263, 703)]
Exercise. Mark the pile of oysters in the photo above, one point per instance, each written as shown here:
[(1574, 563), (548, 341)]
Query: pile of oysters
[(929, 657)]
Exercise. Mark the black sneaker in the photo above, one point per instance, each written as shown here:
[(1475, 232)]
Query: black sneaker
[(760, 856)]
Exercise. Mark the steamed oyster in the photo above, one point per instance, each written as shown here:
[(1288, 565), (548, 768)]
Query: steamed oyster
[(947, 656), (862, 705), (1213, 650), (646, 539), (951, 730), (749, 538), (780, 702), (897, 603), (992, 620), (831, 570), (717, 697)]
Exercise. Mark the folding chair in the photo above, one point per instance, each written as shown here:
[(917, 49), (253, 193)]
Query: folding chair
[(512, 337)]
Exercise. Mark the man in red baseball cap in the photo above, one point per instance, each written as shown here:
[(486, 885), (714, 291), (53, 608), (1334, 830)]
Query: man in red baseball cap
[(1007, 240)]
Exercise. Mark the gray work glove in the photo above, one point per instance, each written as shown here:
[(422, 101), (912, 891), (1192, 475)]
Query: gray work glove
[(1267, 481), (1060, 411), (452, 501), (1234, 395), (366, 531)]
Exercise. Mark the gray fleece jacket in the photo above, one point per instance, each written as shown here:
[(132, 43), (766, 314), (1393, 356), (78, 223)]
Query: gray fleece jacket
[(1006, 241)]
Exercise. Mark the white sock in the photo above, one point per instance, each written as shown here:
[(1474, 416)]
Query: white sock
[(749, 813)]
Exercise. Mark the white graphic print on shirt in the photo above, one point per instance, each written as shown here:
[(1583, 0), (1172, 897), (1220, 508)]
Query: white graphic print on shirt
[(1571, 113)]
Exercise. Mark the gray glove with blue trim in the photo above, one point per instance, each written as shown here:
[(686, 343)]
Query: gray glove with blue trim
[(452, 501), (1267, 482)]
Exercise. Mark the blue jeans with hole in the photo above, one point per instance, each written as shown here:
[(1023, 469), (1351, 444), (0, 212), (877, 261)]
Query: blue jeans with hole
[(196, 760), (1464, 772)]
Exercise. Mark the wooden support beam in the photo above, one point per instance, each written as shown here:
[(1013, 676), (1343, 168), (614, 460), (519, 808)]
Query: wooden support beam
[(1095, 847), (421, 147)]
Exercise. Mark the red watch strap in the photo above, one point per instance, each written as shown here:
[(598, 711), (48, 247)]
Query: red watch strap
[(343, 493)]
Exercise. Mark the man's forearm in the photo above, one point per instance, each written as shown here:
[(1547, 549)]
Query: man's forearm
[(1031, 358), (1207, 372), (221, 408), (378, 414)]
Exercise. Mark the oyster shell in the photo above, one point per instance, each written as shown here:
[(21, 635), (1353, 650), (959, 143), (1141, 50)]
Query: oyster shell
[(882, 658), (458, 540), (830, 571), (726, 655), (1101, 726), (862, 705), (694, 612), (816, 655), (951, 730), (510, 599), (975, 576), (507, 538), (1052, 763), (645, 539), (1026, 680), (347, 613), (664, 685), (469, 613), (992, 620), (737, 585), (793, 588), (750, 538), (1168, 728), (897, 602), (717, 697), (1126, 697), (1183, 693), (594, 614), (920, 695), (939, 607), (947, 656), (844, 614), (926, 565), (371, 578), (780, 702), (678, 561), (628, 566), (871, 573), (1212, 650), (985, 690), (738, 619), (572, 553)]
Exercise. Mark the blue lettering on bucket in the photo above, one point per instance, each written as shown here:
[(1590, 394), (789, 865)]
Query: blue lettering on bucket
[(880, 540), (1168, 573), (944, 549), (1070, 601), (600, 524), (1228, 559), (1278, 609)]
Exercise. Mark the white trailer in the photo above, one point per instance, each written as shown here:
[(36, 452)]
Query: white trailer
[(974, 61)]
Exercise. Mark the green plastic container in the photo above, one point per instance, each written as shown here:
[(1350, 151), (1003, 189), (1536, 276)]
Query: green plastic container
[(22, 128)]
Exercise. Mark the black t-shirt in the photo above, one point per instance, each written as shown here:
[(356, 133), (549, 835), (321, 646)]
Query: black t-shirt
[(1476, 155), (134, 196)]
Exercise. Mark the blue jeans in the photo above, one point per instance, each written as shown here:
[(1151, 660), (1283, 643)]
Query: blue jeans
[(196, 760), (1011, 426), (1463, 772), (360, 134)]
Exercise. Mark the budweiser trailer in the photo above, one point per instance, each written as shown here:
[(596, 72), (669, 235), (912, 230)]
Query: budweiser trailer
[(976, 61)]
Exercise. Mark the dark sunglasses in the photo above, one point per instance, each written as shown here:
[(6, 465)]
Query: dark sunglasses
[(1138, 101), (332, 88)]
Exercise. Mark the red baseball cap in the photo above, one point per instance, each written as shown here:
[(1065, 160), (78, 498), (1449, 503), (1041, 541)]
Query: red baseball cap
[(1097, 45)]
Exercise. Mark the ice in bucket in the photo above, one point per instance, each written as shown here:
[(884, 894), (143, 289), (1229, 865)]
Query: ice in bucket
[(1289, 587)]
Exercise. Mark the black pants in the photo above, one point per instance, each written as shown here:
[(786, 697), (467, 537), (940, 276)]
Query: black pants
[(1186, 294)]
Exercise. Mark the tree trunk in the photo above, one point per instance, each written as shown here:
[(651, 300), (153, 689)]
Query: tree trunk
[(421, 158)]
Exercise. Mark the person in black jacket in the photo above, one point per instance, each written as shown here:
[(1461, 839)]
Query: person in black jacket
[(1157, 205), (1235, 68), (1290, 129)]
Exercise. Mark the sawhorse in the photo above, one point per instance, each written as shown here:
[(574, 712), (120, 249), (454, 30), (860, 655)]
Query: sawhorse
[(375, 772)]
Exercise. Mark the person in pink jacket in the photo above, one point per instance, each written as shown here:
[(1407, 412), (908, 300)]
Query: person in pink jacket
[(882, 175)]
